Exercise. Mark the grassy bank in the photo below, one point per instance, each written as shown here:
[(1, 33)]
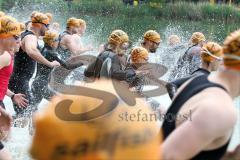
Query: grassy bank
[(179, 10)]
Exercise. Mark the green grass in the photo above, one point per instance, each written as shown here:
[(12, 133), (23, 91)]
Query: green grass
[(179, 10)]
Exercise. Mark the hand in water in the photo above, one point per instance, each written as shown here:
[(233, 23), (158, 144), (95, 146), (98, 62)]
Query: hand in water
[(20, 100), (55, 64), (5, 123)]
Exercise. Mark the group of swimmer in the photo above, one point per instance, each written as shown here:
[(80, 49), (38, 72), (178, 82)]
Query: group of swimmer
[(209, 96)]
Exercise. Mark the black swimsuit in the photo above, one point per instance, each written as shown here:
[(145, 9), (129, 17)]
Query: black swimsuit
[(194, 87), (64, 53), (24, 67), (174, 85)]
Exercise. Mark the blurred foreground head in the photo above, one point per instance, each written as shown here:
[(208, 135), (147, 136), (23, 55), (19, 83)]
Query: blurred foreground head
[(231, 49), (111, 136)]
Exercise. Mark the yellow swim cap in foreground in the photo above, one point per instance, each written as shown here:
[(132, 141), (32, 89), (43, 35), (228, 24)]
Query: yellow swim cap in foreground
[(231, 50), (109, 137)]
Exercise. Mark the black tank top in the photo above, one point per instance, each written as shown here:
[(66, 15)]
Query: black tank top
[(24, 65), (194, 87)]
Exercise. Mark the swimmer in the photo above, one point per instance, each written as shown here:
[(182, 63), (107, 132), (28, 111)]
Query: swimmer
[(208, 102)]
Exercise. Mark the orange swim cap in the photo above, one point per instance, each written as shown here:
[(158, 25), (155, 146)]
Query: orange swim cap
[(9, 27), (153, 36), (50, 16), (73, 22), (40, 18), (231, 49), (118, 37), (138, 54), (82, 22), (50, 37), (211, 51)]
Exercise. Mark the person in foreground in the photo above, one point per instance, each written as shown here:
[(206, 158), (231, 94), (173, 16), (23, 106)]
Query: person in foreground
[(208, 100), (10, 30), (107, 137)]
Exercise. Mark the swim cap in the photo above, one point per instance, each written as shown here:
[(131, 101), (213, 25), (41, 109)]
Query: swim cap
[(197, 37), (82, 22), (109, 137), (211, 51), (50, 37), (231, 50), (50, 16), (118, 37), (73, 22), (40, 18), (153, 36), (138, 54), (173, 40), (9, 27), (2, 14)]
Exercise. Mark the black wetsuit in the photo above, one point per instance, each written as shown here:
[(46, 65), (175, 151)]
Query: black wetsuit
[(65, 53), (116, 71), (24, 67), (170, 54), (197, 85), (174, 85), (39, 86), (186, 64)]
